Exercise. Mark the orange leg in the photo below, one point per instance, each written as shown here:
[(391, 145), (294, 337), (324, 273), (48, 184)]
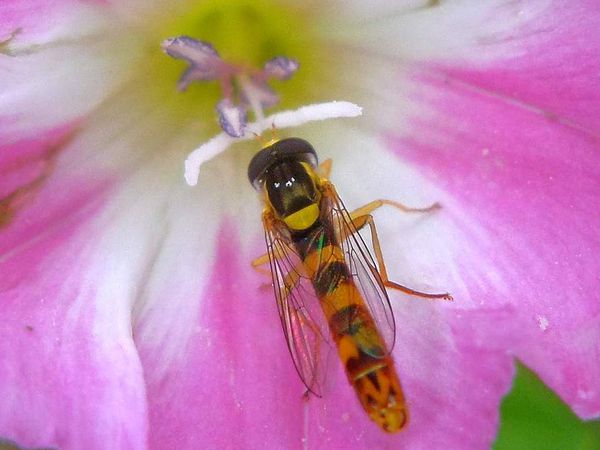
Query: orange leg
[(264, 259), (375, 204), (261, 261), (325, 168), (359, 222), (291, 279)]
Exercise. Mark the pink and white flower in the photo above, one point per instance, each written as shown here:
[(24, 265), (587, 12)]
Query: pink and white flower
[(130, 317)]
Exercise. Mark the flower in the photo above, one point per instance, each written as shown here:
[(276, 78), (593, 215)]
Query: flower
[(131, 318)]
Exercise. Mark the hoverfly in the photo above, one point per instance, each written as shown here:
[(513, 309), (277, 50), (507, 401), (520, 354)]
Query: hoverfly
[(329, 290)]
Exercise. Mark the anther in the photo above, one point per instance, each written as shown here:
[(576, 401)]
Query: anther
[(243, 89)]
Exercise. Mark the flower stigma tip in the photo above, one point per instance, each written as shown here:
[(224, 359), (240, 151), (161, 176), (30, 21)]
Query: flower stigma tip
[(244, 89)]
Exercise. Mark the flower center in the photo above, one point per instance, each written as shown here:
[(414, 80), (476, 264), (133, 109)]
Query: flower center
[(246, 31), (238, 45), (242, 87), (246, 34)]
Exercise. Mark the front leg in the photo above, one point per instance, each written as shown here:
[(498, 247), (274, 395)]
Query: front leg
[(376, 204)]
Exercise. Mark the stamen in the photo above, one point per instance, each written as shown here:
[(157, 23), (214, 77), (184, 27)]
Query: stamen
[(256, 98), (242, 88), (205, 63), (281, 67), (284, 119), (231, 118)]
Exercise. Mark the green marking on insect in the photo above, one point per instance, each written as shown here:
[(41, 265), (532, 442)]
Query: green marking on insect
[(321, 243)]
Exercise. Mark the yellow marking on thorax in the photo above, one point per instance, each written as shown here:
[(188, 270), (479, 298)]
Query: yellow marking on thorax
[(303, 219)]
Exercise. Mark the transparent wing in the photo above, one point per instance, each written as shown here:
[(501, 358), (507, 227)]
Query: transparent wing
[(364, 272), (303, 322)]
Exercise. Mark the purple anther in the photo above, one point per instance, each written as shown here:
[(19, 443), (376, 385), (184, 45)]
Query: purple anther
[(281, 67), (232, 118), (190, 49), (205, 63), (243, 88)]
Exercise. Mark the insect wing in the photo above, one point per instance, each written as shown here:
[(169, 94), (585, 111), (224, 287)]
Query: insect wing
[(304, 326), (364, 272)]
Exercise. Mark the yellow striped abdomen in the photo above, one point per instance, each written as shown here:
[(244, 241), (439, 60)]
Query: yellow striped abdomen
[(360, 345)]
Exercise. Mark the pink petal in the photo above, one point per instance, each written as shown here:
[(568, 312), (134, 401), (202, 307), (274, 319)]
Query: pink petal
[(452, 379), (56, 70), (40, 192), (233, 384), (557, 69), (211, 390), (70, 374), (23, 15), (531, 183), (24, 166)]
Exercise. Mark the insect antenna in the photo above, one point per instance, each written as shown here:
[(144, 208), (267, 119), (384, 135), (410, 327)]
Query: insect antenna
[(274, 136), (259, 138)]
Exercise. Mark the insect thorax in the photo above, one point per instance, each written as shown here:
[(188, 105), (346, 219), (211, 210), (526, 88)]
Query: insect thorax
[(291, 190)]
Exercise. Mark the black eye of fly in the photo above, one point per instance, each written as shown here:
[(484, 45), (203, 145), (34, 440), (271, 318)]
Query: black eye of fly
[(291, 149)]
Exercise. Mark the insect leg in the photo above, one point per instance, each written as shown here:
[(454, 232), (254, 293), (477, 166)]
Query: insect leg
[(261, 261), (291, 279), (375, 204), (325, 168), (264, 259), (359, 222)]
